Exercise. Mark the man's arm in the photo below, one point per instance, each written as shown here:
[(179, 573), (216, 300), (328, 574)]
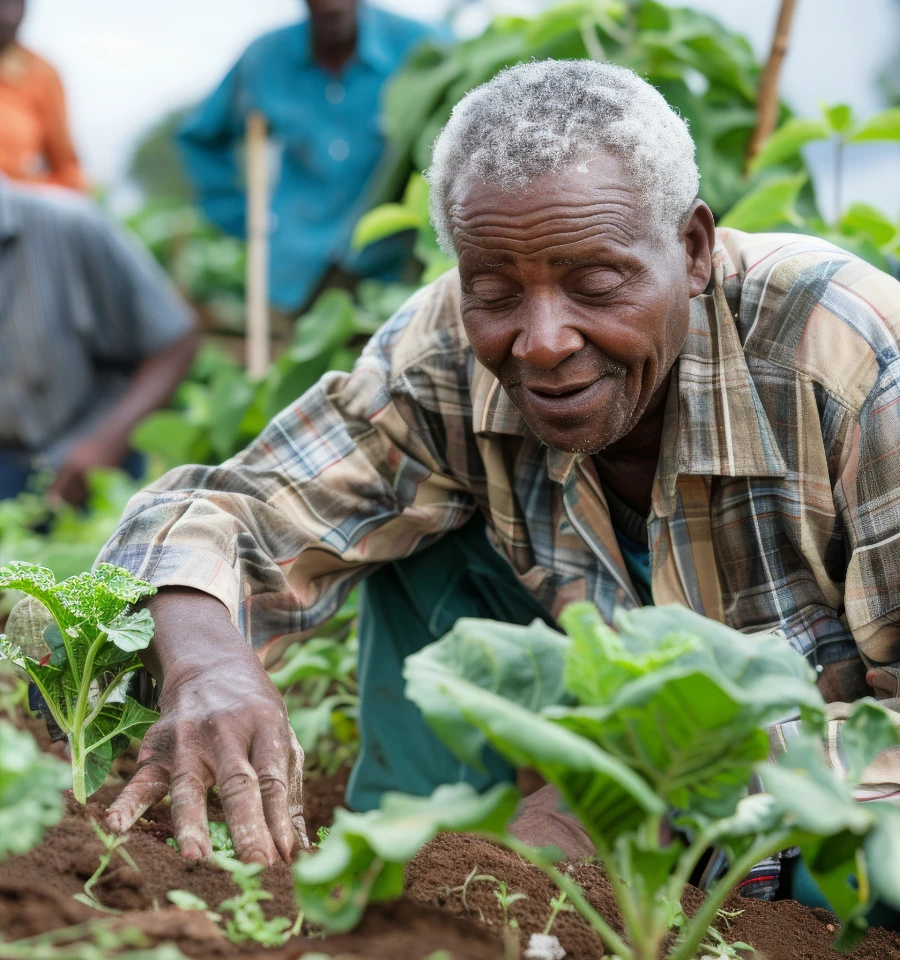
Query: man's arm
[(868, 494), (208, 144), (150, 388), (349, 476)]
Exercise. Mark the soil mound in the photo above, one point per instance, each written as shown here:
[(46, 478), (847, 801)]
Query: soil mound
[(784, 930)]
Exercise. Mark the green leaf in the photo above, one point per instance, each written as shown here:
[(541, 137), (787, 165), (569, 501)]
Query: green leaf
[(130, 632), (185, 900), (771, 204), (869, 730), (169, 435), (860, 218), (839, 117), (788, 141), (882, 850), (883, 126), (384, 221), (362, 859), (31, 787), (523, 665), (102, 595), (606, 795)]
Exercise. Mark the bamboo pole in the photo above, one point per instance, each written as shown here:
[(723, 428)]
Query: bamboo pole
[(767, 99), (258, 348)]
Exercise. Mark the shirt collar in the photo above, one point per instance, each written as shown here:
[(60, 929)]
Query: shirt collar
[(372, 47), (10, 218), (715, 424)]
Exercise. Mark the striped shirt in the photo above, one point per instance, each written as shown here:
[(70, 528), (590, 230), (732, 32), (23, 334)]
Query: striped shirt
[(776, 503), (80, 307)]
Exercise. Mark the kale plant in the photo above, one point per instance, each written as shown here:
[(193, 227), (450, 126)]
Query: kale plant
[(662, 718), (93, 638)]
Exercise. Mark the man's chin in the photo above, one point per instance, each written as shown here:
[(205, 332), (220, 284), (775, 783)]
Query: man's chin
[(584, 439)]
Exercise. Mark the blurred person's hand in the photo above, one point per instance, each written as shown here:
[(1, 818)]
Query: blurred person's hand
[(885, 681), (222, 723), (107, 449)]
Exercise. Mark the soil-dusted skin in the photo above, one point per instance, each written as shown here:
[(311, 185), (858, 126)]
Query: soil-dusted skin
[(36, 896)]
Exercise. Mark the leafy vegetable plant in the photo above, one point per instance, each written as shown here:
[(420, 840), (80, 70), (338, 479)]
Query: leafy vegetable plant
[(94, 637), (31, 788), (663, 718)]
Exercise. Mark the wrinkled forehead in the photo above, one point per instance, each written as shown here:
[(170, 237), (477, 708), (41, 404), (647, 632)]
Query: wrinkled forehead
[(572, 207)]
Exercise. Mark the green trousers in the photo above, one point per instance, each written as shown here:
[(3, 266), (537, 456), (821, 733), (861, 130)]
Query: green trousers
[(404, 607)]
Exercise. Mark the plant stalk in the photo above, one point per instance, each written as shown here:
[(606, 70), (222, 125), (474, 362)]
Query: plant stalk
[(571, 889), (767, 97), (698, 925)]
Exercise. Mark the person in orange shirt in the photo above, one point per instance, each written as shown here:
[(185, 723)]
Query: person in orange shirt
[(35, 145)]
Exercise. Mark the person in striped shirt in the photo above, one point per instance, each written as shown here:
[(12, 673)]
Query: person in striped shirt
[(609, 399), (93, 336)]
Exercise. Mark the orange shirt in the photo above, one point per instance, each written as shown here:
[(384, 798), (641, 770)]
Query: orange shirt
[(35, 145)]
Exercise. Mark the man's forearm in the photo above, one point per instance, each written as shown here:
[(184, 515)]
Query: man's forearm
[(151, 386), (191, 627)]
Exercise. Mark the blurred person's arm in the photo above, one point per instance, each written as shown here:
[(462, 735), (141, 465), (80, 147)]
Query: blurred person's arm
[(63, 167), (208, 142), (140, 323)]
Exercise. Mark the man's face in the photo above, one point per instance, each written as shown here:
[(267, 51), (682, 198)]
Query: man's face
[(334, 21), (572, 299), (11, 14)]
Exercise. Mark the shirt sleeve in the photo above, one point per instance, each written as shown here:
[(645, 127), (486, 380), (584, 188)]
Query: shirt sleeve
[(352, 475), (134, 309), (208, 143), (64, 169), (869, 497)]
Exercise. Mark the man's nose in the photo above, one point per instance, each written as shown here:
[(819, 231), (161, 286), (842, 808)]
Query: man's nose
[(546, 337)]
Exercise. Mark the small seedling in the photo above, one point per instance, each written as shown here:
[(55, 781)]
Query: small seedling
[(112, 845), (557, 905), (94, 640), (219, 838), (322, 835), (247, 922), (504, 897), (717, 948)]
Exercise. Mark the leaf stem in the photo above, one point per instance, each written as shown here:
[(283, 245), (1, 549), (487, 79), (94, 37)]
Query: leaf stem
[(700, 923), (571, 889)]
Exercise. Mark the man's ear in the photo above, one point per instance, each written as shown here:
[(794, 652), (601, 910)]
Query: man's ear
[(699, 237)]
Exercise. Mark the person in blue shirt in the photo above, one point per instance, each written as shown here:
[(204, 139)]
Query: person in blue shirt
[(318, 84)]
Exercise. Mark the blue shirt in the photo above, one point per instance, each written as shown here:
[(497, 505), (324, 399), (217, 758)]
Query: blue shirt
[(327, 131)]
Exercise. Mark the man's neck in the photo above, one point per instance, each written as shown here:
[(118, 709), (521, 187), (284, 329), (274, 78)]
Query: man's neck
[(629, 465), (333, 57)]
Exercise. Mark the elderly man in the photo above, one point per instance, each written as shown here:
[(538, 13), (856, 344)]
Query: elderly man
[(609, 400)]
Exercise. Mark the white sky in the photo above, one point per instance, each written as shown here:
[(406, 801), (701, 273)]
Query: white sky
[(126, 63)]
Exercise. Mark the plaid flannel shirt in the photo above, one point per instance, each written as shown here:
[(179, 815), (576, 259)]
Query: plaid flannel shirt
[(776, 502)]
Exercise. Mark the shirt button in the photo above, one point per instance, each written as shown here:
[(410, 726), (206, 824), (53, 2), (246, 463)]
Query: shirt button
[(334, 92), (338, 150)]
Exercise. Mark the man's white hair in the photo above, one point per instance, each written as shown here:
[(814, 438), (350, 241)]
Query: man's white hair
[(539, 117)]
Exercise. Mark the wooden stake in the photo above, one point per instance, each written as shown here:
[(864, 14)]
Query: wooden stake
[(258, 351), (767, 99)]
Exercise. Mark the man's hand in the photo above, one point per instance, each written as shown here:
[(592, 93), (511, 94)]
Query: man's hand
[(99, 450), (222, 724), (844, 681)]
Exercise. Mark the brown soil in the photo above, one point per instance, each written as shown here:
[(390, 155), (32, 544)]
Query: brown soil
[(784, 930), (36, 896)]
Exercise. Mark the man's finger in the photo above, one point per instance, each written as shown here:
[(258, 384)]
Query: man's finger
[(148, 786), (189, 817), (269, 760), (242, 803)]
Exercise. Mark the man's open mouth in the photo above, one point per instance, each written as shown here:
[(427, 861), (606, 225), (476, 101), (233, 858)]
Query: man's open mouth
[(566, 401)]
